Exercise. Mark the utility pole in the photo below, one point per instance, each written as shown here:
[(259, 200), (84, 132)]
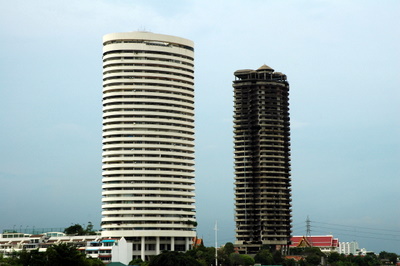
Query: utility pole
[(216, 243)]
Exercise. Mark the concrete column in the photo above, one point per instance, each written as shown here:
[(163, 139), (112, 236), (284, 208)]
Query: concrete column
[(187, 242), (142, 249), (172, 243), (157, 245)]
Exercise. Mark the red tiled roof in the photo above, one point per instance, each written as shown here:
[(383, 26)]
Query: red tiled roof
[(295, 257), (316, 241), (197, 242)]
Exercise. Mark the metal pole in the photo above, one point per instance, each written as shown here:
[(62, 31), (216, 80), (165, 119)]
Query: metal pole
[(216, 243)]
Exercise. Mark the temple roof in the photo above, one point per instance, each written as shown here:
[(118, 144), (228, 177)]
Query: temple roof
[(315, 241)]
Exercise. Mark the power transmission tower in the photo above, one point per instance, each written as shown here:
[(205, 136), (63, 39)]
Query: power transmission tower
[(308, 231)]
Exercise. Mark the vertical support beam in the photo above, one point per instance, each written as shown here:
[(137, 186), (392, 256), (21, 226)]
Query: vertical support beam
[(157, 245), (142, 249), (187, 242), (172, 243)]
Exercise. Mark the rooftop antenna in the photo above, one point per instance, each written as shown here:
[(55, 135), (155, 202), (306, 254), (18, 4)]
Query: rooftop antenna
[(142, 28)]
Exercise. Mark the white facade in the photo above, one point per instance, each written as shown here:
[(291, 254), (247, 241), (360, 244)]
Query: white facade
[(122, 252), (107, 250), (148, 141), (348, 248)]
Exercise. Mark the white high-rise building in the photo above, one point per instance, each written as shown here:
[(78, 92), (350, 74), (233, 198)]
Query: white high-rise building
[(148, 141), (348, 248)]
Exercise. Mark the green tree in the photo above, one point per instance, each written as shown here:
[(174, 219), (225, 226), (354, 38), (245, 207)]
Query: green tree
[(94, 262), (75, 229), (289, 262), (32, 258), (65, 255), (302, 262), (346, 263), (223, 258), (264, 257), (247, 260), (228, 248), (358, 260), (204, 255), (277, 257), (313, 255), (173, 258), (313, 259), (383, 255), (136, 262), (392, 257), (236, 259), (12, 259), (239, 259), (371, 259), (89, 229), (334, 257), (57, 255)]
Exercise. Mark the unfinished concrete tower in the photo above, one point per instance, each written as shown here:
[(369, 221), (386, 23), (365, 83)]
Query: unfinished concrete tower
[(262, 159)]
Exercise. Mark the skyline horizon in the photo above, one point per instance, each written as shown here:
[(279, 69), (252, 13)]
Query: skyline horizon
[(341, 60), (39, 230)]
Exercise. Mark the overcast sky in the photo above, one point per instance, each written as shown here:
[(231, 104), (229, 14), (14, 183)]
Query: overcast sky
[(342, 60)]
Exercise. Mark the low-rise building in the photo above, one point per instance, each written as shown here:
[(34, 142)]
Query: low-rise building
[(106, 249), (326, 244)]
